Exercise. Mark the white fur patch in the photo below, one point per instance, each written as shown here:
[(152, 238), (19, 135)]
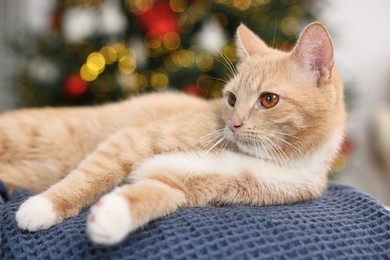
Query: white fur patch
[(319, 159), (309, 169), (109, 220), (36, 214), (223, 163)]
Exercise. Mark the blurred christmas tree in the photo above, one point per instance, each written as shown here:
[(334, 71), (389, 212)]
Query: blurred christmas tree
[(102, 50)]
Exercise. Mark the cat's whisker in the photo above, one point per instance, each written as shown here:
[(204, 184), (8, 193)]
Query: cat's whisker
[(212, 147), (226, 62), (222, 80), (270, 152), (258, 143), (224, 145), (261, 149), (286, 159), (281, 133), (289, 144), (212, 139), (218, 131), (300, 154), (281, 137), (230, 73), (280, 151), (275, 149), (256, 149), (274, 38), (259, 146), (207, 140)]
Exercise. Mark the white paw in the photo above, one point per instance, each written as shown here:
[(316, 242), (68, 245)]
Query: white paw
[(36, 213), (109, 220)]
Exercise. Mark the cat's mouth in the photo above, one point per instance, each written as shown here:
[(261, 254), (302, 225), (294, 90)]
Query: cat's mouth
[(238, 137), (244, 144), (249, 146)]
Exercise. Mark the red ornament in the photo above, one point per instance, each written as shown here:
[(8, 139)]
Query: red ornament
[(193, 90), (159, 19), (75, 87)]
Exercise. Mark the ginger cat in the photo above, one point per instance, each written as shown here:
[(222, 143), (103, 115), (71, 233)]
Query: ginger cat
[(270, 140)]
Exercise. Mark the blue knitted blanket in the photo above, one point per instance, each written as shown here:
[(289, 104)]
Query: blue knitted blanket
[(343, 223)]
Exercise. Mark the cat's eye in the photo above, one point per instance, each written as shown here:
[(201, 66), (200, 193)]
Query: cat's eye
[(231, 99), (269, 100)]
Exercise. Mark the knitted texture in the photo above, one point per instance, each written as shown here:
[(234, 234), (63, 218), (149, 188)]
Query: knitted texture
[(343, 223)]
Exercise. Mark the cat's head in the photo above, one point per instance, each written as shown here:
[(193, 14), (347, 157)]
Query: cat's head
[(285, 105)]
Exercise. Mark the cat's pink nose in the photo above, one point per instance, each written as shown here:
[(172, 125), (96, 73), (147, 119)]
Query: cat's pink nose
[(233, 125)]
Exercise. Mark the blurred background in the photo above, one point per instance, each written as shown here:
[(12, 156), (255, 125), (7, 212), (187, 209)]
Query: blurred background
[(81, 52)]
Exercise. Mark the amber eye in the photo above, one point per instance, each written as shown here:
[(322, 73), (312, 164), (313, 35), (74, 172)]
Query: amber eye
[(269, 100), (231, 99)]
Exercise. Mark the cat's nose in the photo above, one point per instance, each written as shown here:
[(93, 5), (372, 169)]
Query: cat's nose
[(233, 125)]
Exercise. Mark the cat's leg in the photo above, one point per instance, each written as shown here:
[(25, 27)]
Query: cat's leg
[(167, 182), (102, 170), (130, 207)]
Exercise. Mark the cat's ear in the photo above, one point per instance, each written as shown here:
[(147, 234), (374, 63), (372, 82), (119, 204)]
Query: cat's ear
[(248, 43), (314, 51)]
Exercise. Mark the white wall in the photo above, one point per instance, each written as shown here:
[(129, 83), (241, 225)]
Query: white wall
[(361, 34)]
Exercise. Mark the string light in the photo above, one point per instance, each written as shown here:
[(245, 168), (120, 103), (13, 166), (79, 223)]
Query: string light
[(141, 82), (96, 62), (260, 2), (94, 65), (127, 64), (289, 25), (242, 4), (159, 80), (184, 58), (138, 6), (116, 52), (178, 6), (230, 51), (86, 74), (204, 62), (109, 53), (153, 40), (171, 41)]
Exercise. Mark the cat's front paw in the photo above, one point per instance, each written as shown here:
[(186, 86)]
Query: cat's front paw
[(36, 213), (109, 221)]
